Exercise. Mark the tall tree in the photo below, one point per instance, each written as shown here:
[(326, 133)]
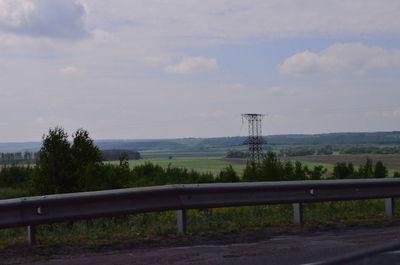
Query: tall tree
[(380, 170), (83, 150), (61, 167), (54, 164)]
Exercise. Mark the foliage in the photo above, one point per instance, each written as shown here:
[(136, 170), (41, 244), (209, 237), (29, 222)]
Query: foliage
[(15, 176), (380, 170), (233, 153), (368, 170), (273, 169), (60, 164), (298, 151), (343, 170), (55, 164), (114, 154), (369, 149), (17, 158), (228, 174)]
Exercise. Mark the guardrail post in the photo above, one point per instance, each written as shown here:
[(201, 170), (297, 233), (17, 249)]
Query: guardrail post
[(298, 213), (389, 206), (31, 235), (181, 221)]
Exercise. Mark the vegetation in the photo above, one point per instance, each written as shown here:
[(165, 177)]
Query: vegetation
[(233, 153), (370, 149), (273, 169), (64, 166), (153, 228), (60, 164), (307, 150), (18, 158), (343, 170), (198, 164), (115, 154)]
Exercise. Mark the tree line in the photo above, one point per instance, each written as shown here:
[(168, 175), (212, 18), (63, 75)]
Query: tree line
[(343, 170), (64, 166), (15, 158)]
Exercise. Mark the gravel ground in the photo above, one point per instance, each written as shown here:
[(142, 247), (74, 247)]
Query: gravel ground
[(243, 249)]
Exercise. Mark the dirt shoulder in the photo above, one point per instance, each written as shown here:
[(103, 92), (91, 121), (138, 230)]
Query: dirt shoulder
[(290, 245)]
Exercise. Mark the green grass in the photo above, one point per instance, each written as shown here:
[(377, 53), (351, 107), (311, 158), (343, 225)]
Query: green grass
[(207, 164), (153, 228), (311, 165), (9, 193), (211, 165)]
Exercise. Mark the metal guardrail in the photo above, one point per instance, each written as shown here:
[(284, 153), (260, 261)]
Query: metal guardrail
[(88, 205)]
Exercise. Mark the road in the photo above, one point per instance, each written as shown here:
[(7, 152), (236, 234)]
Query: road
[(275, 250)]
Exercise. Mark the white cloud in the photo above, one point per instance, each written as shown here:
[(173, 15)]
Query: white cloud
[(68, 70), (39, 121), (62, 19), (230, 20), (192, 64), (355, 57)]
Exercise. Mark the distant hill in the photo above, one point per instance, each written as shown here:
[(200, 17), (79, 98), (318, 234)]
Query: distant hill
[(20, 147), (378, 138)]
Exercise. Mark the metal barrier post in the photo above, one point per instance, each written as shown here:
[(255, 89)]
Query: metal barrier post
[(31, 235), (298, 213), (389, 204), (181, 221)]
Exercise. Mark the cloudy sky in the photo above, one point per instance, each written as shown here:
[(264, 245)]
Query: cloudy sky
[(185, 68)]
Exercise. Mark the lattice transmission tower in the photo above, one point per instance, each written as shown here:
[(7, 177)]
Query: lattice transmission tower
[(255, 140)]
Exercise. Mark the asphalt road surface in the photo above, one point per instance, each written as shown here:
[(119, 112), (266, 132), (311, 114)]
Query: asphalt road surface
[(275, 250)]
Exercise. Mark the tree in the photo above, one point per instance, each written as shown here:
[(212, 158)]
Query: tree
[(64, 168), (343, 170), (228, 174), (380, 170), (366, 171), (54, 165), (83, 150)]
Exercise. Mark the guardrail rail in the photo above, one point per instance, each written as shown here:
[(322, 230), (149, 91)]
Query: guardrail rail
[(32, 211)]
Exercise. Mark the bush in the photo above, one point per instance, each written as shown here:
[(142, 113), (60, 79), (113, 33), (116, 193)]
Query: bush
[(227, 175), (273, 169), (60, 165)]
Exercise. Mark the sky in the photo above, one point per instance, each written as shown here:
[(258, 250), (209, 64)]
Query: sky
[(144, 69)]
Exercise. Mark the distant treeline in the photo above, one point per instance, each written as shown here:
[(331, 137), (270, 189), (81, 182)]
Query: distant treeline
[(307, 150), (370, 150), (18, 158), (361, 138), (343, 170), (27, 158), (115, 154), (233, 153), (340, 149)]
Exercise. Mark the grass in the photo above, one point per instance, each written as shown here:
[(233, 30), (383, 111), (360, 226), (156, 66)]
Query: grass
[(153, 228), (391, 161), (9, 193), (208, 164), (200, 164), (311, 165)]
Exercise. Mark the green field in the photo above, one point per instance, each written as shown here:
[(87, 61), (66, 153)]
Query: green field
[(209, 164), (200, 164), (215, 164)]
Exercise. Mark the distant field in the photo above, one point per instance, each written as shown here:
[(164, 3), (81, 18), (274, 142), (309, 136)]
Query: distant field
[(200, 164), (214, 165), (210, 164), (391, 161)]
